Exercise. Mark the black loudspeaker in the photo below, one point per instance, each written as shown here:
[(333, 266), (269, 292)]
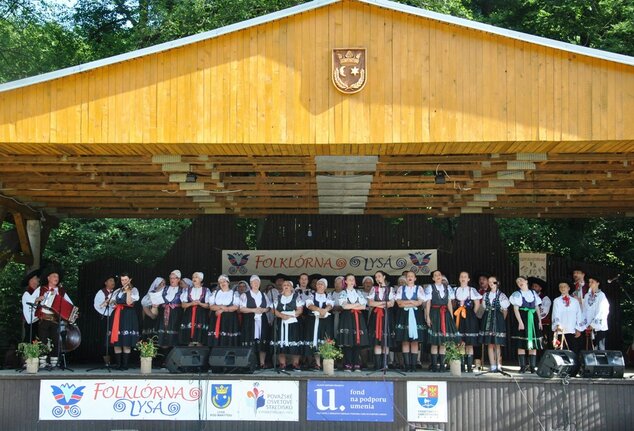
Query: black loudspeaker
[(602, 363), (232, 359), (557, 363), (187, 359)]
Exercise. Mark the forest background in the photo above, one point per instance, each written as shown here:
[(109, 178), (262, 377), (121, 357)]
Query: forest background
[(38, 36)]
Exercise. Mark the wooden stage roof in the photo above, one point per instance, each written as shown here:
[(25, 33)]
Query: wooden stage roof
[(518, 125)]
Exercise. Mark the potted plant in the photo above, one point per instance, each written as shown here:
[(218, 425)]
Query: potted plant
[(329, 352), (31, 353), (148, 349), (453, 355)]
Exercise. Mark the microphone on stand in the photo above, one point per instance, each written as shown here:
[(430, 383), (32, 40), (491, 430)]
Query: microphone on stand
[(610, 280)]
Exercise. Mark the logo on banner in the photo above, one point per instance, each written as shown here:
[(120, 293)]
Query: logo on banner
[(67, 396), (238, 266), (428, 396), (256, 398), (348, 70), (221, 396), (420, 260)]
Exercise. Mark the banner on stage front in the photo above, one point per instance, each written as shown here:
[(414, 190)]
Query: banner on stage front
[(328, 262), (427, 401), (169, 400), (349, 401), (533, 265)]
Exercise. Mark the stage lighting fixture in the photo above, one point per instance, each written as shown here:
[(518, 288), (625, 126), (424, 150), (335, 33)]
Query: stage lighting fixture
[(191, 177)]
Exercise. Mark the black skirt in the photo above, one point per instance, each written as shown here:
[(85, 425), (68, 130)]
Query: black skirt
[(247, 332), (349, 334), (435, 335), (201, 326), (493, 329), (288, 338), (521, 338), (168, 333), (402, 326), (377, 331), (325, 329), (224, 330), (128, 327), (469, 328)]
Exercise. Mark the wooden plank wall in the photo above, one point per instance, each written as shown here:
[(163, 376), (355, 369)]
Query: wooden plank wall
[(428, 82)]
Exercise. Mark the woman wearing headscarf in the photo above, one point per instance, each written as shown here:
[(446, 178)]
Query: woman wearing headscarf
[(320, 323), (288, 340), (170, 312), (195, 323), (223, 325), (150, 303), (254, 307)]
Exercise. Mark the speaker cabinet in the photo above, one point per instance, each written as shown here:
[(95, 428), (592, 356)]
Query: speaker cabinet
[(232, 359), (187, 359), (557, 363), (602, 363)]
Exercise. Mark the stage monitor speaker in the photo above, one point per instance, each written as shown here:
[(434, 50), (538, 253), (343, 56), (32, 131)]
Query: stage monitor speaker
[(602, 363), (187, 359), (558, 363), (232, 359)]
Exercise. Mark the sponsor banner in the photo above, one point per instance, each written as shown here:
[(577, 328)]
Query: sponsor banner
[(533, 265), (350, 401), (169, 399), (427, 401), (328, 262)]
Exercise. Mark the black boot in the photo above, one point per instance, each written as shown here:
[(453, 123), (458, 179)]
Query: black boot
[(441, 359), (463, 364), (469, 363), (378, 362), (413, 361), (522, 361), (406, 361), (124, 361), (434, 363), (117, 361), (533, 363)]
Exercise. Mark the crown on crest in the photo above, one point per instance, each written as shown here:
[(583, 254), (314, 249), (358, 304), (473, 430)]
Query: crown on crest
[(349, 58), (222, 390)]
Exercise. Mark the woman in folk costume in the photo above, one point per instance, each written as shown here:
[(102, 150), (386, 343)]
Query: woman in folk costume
[(195, 303), (410, 325), (288, 339), (170, 313), (320, 323), (528, 332), (353, 332), (439, 318), (223, 326), (467, 322), (381, 299), (254, 307), (493, 327), (152, 298), (125, 321), (567, 320)]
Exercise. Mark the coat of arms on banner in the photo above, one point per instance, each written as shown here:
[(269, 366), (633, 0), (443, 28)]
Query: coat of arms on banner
[(428, 396), (221, 396), (349, 69), (67, 396)]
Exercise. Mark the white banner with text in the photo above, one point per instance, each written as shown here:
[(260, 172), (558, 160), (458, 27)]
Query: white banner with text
[(328, 262), (182, 400)]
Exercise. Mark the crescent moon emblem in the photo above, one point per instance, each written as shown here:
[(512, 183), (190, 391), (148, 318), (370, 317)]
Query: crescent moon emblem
[(342, 71)]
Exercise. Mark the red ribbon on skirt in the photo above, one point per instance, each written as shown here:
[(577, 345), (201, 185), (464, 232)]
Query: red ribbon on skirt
[(356, 324), (443, 312), (217, 328), (191, 331), (378, 325), (116, 322)]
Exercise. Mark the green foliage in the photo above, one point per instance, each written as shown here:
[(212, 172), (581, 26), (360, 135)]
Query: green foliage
[(11, 294), (452, 351), (329, 350), (148, 348), (35, 349), (76, 241)]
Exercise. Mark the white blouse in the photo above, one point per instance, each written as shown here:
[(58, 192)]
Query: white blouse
[(100, 297), (567, 317), (504, 300), (463, 293), (287, 299), (352, 297), (596, 309), (257, 297), (441, 291), (406, 293), (528, 295), (171, 293), (195, 294), (319, 299), (220, 297), (372, 293)]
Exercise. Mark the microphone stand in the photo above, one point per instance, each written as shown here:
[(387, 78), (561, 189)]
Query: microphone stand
[(32, 307), (106, 357)]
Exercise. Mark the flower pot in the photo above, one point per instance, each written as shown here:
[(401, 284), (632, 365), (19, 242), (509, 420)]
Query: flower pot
[(455, 367), (146, 365), (328, 366), (32, 365)]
